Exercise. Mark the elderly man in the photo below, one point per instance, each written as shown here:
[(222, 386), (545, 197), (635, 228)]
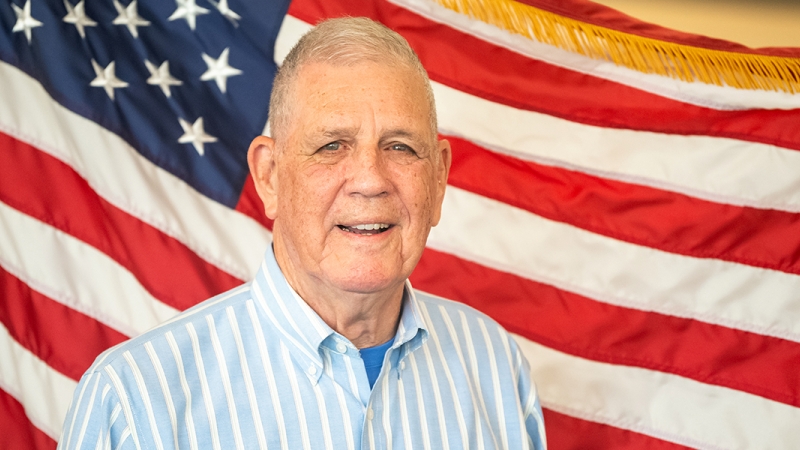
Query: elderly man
[(329, 346)]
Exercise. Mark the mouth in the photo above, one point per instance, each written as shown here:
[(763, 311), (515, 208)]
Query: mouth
[(366, 229)]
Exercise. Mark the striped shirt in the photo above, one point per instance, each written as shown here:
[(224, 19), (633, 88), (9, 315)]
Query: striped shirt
[(256, 367)]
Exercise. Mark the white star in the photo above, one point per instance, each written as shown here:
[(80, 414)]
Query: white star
[(219, 70), (195, 135), (24, 20), (77, 16), (106, 79), (225, 10), (160, 76), (188, 9), (129, 17)]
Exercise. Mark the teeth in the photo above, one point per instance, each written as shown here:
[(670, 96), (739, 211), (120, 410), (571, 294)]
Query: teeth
[(371, 226)]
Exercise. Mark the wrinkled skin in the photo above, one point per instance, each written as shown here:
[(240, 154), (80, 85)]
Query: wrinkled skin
[(358, 151)]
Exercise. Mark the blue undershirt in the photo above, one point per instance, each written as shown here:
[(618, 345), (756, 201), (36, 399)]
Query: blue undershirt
[(373, 360)]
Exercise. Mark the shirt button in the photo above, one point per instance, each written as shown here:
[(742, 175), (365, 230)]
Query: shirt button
[(312, 370), (341, 348), (370, 414), (402, 365)]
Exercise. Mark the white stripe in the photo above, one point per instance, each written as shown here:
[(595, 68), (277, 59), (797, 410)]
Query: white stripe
[(226, 382), (401, 394), (145, 395), (423, 418), (298, 399), (498, 397), (204, 388), (106, 390), (126, 433), (248, 381), (127, 412), (729, 294), (78, 400), (268, 373), (51, 261), (162, 380), (447, 372), (437, 395), (222, 236), (89, 404), (387, 423), (187, 393), (476, 375), (698, 93), (351, 377), (282, 306), (347, 423), (662, 405), (473, 385), (44, 393), (256, 289), (718, 169), (323, 415)]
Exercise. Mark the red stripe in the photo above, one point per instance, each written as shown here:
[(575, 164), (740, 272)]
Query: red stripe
[(580, 326), (65, 339), (642, 215), (49, 190), (569, 433), (16, 430), (471, 65), (250, 204)]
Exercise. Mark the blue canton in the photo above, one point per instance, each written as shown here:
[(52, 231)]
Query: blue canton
[(186, 83)]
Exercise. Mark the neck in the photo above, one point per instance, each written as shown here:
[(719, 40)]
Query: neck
[(365, 318)]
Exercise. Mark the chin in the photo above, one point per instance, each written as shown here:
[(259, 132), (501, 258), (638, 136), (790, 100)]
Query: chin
[(368, 281)]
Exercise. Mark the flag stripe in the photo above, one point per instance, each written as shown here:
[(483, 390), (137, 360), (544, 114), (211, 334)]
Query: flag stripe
[(617, 272), (40, 325), (458, 59), (658, 404), (57, 195), (228, 239), (44, 392), (514, 54), (718, 169), (15, 428), (49, 261), (583, 327), (564, 431), (639, 214)]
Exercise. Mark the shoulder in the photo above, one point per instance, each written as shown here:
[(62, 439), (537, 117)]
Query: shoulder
[(439, 308), (464, 324), (174, 326)]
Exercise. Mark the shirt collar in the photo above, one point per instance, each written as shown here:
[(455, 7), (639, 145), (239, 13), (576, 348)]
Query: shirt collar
[(304, 331)]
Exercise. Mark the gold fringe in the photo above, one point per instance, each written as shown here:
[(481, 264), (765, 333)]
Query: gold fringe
[(684, 62)]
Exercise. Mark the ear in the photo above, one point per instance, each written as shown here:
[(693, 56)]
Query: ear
[(443, 171), (261, 159)]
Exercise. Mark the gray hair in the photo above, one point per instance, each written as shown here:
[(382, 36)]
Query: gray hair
[(342, 42)]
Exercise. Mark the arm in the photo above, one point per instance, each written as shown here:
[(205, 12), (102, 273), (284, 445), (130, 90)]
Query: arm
[(96, 418)]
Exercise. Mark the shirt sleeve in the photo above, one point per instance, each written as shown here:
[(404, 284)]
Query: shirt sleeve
[(96, 418), (531, 408)]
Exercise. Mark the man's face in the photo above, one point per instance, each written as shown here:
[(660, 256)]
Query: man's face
[(358, 177)]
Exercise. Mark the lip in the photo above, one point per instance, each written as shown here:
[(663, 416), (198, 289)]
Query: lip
[(366, 228)]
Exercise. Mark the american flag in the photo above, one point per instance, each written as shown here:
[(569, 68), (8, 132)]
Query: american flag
[(640, 235)]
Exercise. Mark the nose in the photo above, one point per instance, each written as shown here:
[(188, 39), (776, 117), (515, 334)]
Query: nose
[(368, 172)]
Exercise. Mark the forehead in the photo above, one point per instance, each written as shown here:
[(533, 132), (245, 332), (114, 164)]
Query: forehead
[(390, 95)]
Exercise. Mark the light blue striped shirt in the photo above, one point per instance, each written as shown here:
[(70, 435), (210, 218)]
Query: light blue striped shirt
[(257, 368)]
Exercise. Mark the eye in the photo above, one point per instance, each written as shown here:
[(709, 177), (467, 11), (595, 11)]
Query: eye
[(333, 146), (402, 148)]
